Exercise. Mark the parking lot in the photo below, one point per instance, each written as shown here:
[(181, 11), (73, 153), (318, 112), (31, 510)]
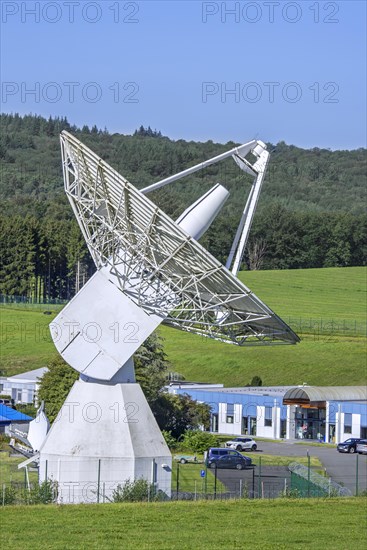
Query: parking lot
[(341, 467), (271, 483)]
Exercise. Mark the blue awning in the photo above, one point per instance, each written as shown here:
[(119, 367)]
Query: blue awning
[(7, 414)]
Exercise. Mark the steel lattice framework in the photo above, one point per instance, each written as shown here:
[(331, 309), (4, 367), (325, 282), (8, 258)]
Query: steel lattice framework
[(156, 263)]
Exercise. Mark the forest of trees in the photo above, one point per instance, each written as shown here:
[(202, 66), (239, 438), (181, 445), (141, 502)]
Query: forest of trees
[(311, 212)]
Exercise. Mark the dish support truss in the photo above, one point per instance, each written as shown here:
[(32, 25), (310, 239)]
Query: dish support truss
[(155, 263)]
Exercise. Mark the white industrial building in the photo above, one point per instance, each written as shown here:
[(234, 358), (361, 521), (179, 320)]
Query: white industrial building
[(328, 413), (22, 388)]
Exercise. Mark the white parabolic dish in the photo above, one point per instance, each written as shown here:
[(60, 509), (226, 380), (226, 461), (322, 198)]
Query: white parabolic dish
[(159, 273)]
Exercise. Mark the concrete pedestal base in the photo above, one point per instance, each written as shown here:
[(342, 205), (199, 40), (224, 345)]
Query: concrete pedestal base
[(104, 435)]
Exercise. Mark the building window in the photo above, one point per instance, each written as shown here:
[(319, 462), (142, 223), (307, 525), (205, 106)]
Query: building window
[(214, 422), (268, 416), (230, 413), (348, 423)]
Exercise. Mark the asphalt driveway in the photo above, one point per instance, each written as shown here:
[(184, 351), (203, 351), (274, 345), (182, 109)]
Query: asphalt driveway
[(341, 467), (272, 483)]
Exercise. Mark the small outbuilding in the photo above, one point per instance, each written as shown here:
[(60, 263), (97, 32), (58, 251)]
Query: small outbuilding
[(12, 420), (23, 387)]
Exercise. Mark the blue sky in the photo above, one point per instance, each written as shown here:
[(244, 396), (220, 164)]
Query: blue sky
[(292, 71)]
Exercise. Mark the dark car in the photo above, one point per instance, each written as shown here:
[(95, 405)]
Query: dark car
[(349, 445), (227, 458)]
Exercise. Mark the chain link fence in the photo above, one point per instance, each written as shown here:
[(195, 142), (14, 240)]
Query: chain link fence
[(197, 482), (319, 328), (307, 483), (327, 328), (112, 480), (25, 302)]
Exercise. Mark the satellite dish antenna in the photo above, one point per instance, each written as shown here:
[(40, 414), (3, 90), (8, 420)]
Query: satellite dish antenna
[(38, 428), (150, 270)]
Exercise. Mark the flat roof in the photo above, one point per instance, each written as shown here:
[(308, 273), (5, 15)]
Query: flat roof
[(276, 391), (302, 394)]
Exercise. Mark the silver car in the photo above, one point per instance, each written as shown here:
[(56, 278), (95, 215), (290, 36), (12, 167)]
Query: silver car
[(362, 447), (242, 444)]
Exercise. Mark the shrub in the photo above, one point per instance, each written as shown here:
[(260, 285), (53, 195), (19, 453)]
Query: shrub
[(43, 493), (8, 495), (170, 440), (198, 441), (27, 408), (4, 442), (139, 490)]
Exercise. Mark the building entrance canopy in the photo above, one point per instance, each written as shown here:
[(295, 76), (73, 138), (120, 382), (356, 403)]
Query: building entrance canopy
[(316, 396)]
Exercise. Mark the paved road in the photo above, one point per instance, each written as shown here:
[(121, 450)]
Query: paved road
[(241, 482), (339, 466)]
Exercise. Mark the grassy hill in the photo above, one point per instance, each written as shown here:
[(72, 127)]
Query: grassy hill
[(302, 523), (325, 306)]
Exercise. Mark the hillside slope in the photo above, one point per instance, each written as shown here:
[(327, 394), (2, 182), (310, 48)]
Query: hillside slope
[(327, 309), (325, 306)]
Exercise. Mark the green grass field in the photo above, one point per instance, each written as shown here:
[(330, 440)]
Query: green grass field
[(9, 469), (261, 524), (331, 294), (25, 339), (332, 350)]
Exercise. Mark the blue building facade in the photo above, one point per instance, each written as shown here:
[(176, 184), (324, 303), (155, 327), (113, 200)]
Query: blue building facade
[(289, 412)]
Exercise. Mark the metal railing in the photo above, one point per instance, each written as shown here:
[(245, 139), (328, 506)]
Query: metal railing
[(311, 484)]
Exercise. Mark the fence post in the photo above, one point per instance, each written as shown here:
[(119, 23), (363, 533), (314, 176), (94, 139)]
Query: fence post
[(357, 474), (98, 479), (253, 483), (240, 488), (215, 481), (308, 473), (177, 480), (259, 479), (3, 494)]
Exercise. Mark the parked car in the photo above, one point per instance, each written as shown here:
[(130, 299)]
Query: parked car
[(362, 447), (242, 444), (227, 458), (184, 459), (349, 445)]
